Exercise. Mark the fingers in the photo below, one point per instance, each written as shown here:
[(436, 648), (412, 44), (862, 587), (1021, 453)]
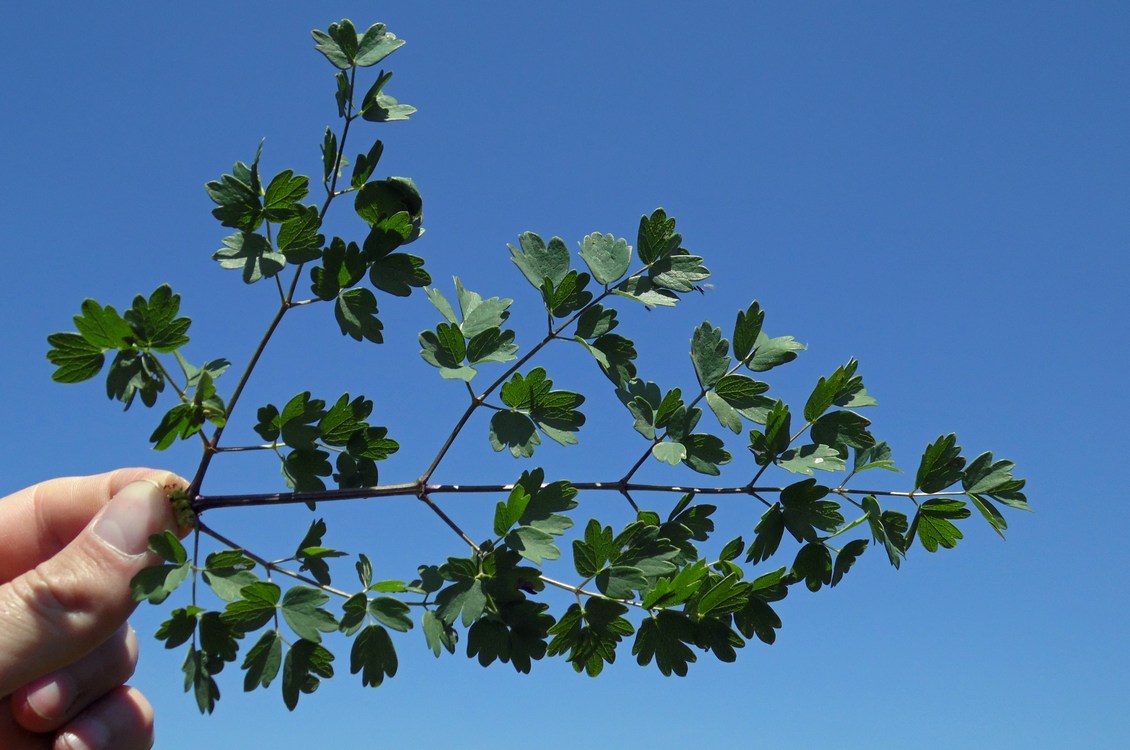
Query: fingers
[(56, 698), (58, 611), (37, 522), (15, 737), (121, 720)]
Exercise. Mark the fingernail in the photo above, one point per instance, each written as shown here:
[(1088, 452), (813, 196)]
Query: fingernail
[(51, 697), (89, 734), (139, 510)]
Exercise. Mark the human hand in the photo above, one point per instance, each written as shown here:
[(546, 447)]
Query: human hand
[(68, 549)]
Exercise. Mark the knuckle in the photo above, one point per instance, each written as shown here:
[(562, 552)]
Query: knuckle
[(53, 597)]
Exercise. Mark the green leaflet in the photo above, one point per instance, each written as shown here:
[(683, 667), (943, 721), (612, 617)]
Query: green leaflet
[(534, 406), (236, 195), (887, 528), (539, 261), (772, 352), (75, 358), (806, 512), (251, 254), (301, 607), (383, 200), (151, 325), (280, 200), (356, 313), (589, 636), (263, 661), (568, 296), (606, 256), (477, 338), (842, 388), (747, 329), (679, 272), (656, 237), (710, 354), (804, 459), (364, 164), (155, 321), (373, 656), (378, 106), (941, 465), (933, 523), (305, 664)]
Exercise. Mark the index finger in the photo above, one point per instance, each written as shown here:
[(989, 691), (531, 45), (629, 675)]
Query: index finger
[(39, 521)]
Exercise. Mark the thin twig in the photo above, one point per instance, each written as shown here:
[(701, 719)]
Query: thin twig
[(270, 566)]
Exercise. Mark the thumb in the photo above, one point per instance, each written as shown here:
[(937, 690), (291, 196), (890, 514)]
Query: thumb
[(61, 609)]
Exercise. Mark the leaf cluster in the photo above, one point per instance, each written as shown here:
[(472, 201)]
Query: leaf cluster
[(304, 433)]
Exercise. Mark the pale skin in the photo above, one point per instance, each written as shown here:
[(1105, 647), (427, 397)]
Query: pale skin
[(68, 549)]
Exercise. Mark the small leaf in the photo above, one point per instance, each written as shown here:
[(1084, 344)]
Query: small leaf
[(155, 321), (607, 257), (373, 655), (263, 661), (680, 272), (533, 544), (539, 262), (804, 459), (280, 201), (155, 583), (301, 608), (846, 559), (515, 431), (438, 633), (941, 465), (75, 358), (710, 354), (932, 523), (339, 45), (841, 430), (877, 456), (595, 321), (356, 314), (657, 238), (298, 238), (376, 44), (747, 328), (568, 296), (491, 345), (813, 565), (329, 155), (887, 528), (391, 612), (805, 512), (641, 289), (399, 273), (252, 254), (305, 663), (728, 417), (705, 453), (769, 353)]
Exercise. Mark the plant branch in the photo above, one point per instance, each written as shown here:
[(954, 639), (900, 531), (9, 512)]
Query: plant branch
[(477, 401), (447, 519), (270, 566), (408, 489)]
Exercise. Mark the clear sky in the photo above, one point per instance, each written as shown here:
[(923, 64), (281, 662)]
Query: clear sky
[(940, 192)]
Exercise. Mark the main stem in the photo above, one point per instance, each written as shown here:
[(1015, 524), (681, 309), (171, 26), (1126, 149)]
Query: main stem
[(418, 488)]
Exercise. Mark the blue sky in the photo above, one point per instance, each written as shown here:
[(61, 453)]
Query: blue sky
[(940, 192)]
